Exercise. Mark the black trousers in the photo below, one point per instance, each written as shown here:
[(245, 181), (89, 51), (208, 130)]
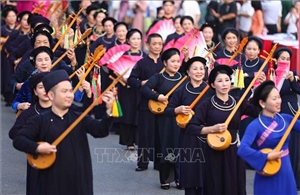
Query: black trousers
[(127, 134), (146, 136), (168, 172), (272, 28)]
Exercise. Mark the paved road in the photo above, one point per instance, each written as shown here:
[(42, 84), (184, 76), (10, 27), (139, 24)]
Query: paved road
[(110, 178)]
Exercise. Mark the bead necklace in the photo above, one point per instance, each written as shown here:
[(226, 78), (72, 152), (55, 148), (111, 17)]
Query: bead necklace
[(223, 108), (116, 43), (85, 26), (169, 79), (103, 39), (8, 29), (251, 66), (228, 56), (186, 87), (140, 51), (293, 111), (36, 109), (276, 131)]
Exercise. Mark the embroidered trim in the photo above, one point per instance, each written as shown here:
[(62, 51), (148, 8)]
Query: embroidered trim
[(285, 153), (266, 133)]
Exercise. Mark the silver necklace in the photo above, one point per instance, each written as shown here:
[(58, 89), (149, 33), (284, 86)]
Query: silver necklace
[(186, 87), (228, 56), (276, 131), (116, 42), (212, 45), (223, 108), (86, 26), (293, 111), (169, 79), (36, 109), (251, 66), (142, 53), (8, 29), (202, 139), (103, 39)]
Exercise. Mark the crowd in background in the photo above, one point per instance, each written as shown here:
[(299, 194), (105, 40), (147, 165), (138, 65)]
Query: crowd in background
[(250, 17)]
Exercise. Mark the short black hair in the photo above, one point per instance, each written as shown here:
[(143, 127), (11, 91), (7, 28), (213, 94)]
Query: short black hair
[(132, 31), (153, 35), (262, 92), (114, 21), (280, 50), (7, 8), (91, 8), (41, 32), (177, 17), (22, 14), (173, 2), (120, 24), (35, 52), (256, 5), (186, 18), (220, 69), (167, 54), (256, 40), (230, 30)]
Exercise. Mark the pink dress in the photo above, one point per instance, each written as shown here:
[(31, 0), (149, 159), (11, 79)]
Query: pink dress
[(29, 5)]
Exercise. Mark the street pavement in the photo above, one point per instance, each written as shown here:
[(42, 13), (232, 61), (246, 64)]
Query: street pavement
[(113, 167)]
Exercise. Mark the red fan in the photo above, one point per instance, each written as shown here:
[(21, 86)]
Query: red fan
[(163, 27), (123, 63), (113, 54), (170, 44)]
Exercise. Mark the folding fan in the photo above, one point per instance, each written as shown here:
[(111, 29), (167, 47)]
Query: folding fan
[(282, 71), (169, 45), (113, 54), (123, 63), (194, 40), (163, 27)]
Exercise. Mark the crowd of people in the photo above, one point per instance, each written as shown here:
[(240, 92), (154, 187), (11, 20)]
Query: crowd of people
[(169, 78)]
